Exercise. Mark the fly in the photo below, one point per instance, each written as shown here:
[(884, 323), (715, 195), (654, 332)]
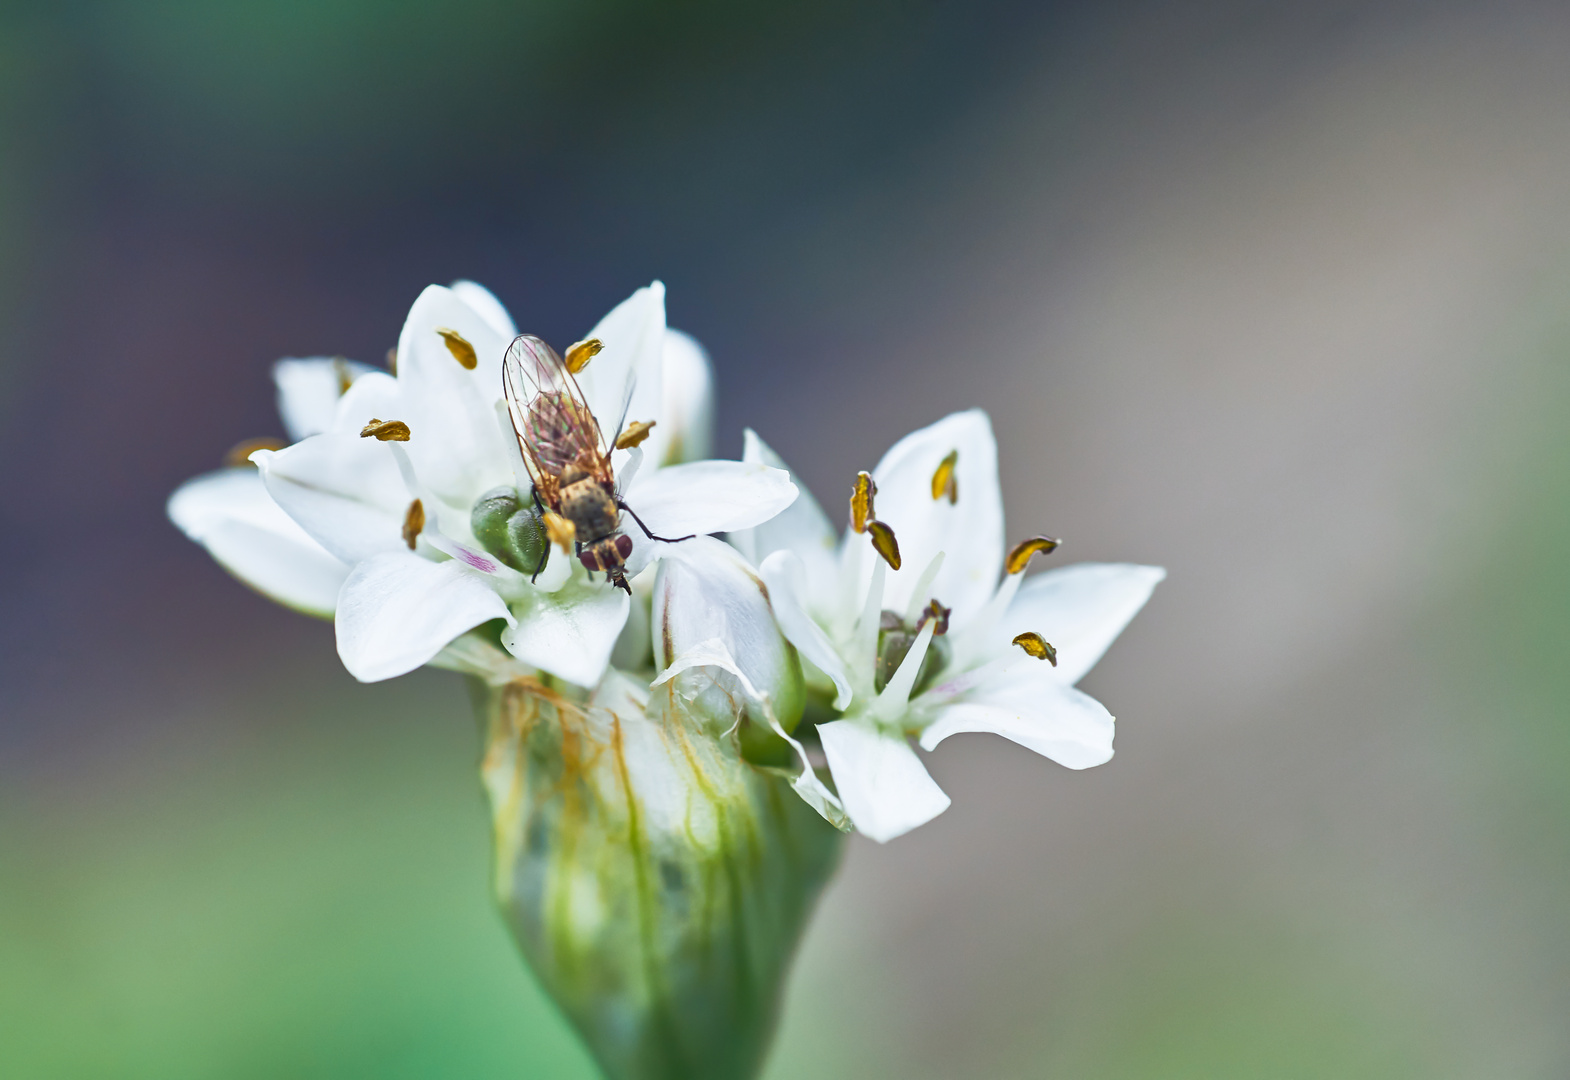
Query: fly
[(568, 457)]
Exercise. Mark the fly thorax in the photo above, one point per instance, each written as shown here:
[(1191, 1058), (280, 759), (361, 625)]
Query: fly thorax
[(589, 507)]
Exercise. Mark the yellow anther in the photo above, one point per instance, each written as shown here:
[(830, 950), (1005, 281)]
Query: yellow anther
[(345, 375), (385, 430), (240, 453), (460, 348), (560, 531), (579, 353), (635, 433), (1020, 554), (943, 482), (883, 541), (1037, 646), (413, 523), (392, 360), (861, 501)]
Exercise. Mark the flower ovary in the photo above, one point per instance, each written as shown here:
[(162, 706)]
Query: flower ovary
[(895, 637)]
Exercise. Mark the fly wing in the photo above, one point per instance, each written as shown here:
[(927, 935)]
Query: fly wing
[(549, 415), (622, 408)]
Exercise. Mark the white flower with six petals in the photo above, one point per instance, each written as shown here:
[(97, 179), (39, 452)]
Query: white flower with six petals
[(329, 524), (843, 608)]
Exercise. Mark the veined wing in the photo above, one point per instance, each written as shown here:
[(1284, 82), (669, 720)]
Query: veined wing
[(553, 423)]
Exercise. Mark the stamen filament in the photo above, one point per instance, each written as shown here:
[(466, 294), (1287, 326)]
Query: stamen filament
[(864, 641), (918, 595)]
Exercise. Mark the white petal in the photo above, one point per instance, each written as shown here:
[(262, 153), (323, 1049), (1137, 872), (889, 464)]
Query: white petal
[(309, 389), (714, 653), (1056, 721), (883, 784), (485, 304), (397, 611), (569, 633), (707, 497), (374, 395), (802, 527), (969, 531), (783, 574), (454, 442), (1080, 609), (685, 431), (704, 590), (344, 490), (633, 336), (231, 514)]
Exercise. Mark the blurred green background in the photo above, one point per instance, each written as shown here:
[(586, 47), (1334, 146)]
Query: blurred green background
[(1273, 295)]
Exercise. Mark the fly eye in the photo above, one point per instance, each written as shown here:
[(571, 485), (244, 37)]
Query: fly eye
[(624, 546), (589, 559)]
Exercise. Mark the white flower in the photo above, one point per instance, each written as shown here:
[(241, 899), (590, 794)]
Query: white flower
[(861, 624), (388, 521), (230, 513)]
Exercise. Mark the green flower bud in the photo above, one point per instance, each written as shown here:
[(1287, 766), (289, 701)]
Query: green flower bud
[(656, 882), (526, 540), (510, 528)]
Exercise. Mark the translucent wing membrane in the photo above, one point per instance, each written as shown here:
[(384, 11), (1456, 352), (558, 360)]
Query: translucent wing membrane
[(554, 425), (626, 404)]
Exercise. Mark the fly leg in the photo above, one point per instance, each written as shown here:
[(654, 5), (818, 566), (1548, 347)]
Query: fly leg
[(545, 548), (663, 539)]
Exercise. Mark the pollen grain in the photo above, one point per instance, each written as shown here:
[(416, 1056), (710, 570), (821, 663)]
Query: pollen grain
[(1020, 554), (460, 348), (561, 531), (240, 453), (884, 542), (413, 523), (943, 481), (861, 496), (1037, 646), (636, 432), (579, 353), (385, 430)]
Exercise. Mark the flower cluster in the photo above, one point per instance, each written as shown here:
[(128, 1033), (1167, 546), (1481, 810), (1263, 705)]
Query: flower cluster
[(475, 507), (389, 513)]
